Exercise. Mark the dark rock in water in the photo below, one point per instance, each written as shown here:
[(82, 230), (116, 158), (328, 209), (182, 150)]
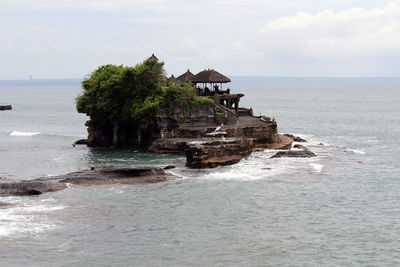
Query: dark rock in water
[(212, 153), (169, 167), (303, 153), (87, 177), (296, 138), (80, 142), (5, 205), (5, 107)]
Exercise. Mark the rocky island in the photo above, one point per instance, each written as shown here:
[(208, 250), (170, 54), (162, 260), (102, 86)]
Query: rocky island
[(192, 114)]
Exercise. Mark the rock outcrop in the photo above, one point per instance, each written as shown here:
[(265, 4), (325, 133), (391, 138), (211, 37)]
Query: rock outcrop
[(86, 178), (296, 138), (303, 152), (80, 142), (5, 107), (213, 153)]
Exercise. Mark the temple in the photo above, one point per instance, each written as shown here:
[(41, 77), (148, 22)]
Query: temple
[(211, 129), (209, 83)]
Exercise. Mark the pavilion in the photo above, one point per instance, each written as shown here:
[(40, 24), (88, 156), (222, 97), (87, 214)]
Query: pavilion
[(211, 77), (186, 77), (223, 97)]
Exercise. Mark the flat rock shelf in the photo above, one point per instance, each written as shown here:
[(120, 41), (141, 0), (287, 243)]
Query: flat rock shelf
[(83, 178)]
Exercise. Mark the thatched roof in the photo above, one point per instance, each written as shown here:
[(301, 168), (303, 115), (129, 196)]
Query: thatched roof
[(172, 79), (210, 76), (186, 77), (153, 57)]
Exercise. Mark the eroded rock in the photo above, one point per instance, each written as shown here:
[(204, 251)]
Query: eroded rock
[(302, 153), (296, 138), (213, 153), (86, 177), (80, 142)]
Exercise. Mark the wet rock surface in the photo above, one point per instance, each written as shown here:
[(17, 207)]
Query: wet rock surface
[(303, 152), (80, 142), (296, 138), (213, 153), (5, 107), (170, 145), (86, 178)]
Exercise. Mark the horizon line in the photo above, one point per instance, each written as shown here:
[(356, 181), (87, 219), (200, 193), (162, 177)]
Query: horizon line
[(239, 76)]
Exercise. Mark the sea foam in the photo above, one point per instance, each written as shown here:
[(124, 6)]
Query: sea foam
[(26, 218), (16, 133)]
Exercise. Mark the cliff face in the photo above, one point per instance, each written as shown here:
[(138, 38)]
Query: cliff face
[(137, 136), (187, 122), (141, 135)]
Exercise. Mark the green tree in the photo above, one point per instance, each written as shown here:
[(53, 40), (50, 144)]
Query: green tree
[(117, 95)]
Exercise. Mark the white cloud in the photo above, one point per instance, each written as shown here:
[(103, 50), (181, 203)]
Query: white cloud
[(350, 34)]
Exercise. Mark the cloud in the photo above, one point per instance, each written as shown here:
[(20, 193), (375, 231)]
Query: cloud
[(354, 33)]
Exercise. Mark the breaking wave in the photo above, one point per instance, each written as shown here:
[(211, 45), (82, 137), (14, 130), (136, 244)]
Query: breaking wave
[(16, 133), (25, 218)]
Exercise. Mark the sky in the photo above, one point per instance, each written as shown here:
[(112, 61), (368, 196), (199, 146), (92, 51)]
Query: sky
[(51, 39)]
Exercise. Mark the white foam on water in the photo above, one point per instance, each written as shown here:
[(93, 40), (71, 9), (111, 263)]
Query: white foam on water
[(257, 167), (356, 151), (16, 133), (317, 167), (25, 218)]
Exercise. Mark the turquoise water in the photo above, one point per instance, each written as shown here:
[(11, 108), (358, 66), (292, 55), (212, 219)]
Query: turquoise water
[(341, 208)]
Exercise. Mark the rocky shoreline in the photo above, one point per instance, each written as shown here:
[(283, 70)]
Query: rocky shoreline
[(82, 178), (211, 152)]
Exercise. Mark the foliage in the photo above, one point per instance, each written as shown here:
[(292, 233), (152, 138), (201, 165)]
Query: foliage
[(118, 94), (219, 117), (201, 100), (176, 94)]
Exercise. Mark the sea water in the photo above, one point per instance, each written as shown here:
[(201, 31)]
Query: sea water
[(340, 208)]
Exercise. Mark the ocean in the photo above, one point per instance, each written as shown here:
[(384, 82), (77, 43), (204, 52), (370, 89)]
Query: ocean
[(340, 208)]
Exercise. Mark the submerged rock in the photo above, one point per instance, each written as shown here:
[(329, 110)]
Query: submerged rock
[(5, 205), (86, 177), (302, 153), (168, 167)]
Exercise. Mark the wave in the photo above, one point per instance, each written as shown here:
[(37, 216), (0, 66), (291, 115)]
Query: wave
[(356, 151), (317, 167), (28, 217), (16, 133)]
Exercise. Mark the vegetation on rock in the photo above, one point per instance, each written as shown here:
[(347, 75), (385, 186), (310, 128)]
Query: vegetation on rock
[(219, 117), (114, 96)]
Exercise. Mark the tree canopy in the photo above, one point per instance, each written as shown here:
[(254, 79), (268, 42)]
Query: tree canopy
[(122, 94)]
